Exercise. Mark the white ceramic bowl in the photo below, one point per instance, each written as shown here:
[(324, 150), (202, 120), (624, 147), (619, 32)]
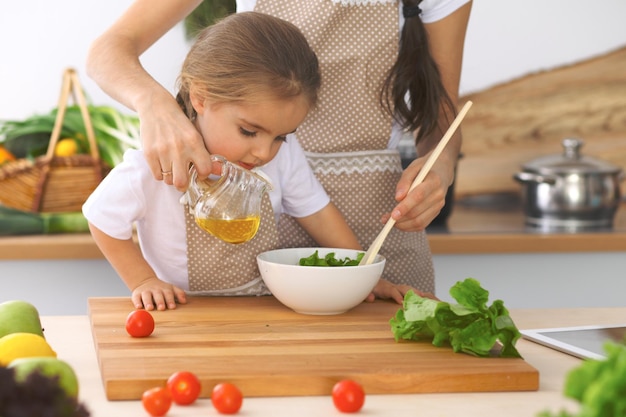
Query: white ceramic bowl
[(318, 289)]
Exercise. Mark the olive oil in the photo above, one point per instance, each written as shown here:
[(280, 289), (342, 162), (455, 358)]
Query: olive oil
[(231, 230)]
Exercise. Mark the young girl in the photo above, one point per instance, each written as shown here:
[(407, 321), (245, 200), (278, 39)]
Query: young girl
[(247, 83)]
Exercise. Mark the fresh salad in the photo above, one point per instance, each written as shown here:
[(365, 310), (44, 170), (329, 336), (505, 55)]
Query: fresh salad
[(330, 260)]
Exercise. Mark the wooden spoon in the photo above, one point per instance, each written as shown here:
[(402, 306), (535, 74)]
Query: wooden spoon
[(371, 253)]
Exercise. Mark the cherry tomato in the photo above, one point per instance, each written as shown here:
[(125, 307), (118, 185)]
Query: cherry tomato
[(140, 323), (348, 396), (184, 386), (157, 401), (226, 398)]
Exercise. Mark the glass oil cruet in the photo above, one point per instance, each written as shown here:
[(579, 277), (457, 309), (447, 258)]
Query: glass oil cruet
[(228, 207)]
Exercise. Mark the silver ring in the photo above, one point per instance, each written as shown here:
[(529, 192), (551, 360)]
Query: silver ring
[(166, 173)]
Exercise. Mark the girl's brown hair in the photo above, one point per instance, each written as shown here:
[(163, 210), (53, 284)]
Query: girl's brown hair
[(415, 77), (249, 56)]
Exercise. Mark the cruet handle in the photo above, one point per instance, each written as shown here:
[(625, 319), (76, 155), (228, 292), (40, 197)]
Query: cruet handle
[(193, 191)]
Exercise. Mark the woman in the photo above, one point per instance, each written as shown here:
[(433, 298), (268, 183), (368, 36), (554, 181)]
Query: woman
[(350, 138)]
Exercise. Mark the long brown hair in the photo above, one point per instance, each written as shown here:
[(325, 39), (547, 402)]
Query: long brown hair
[(413, 92), (249, 56)]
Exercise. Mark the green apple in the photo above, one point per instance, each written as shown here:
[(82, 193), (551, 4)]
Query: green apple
[(50, 367), (19, 316)]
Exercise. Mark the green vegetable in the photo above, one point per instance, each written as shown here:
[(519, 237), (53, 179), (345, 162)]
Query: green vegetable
[(469, 326), (330, 260), (115, 132), (207, 13), (29, 145), (18, 222), (598, 385)]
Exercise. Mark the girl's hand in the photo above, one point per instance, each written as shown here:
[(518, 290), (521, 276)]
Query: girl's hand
[(154, 293), (387, 290), (171, 142)]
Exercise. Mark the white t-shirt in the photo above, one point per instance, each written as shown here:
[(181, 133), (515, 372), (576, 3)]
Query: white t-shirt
[(129, 195)]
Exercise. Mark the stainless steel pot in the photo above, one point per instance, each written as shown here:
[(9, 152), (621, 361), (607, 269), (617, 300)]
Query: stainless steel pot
[(570, 191)]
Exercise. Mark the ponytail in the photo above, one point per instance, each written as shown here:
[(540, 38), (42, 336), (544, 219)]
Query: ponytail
[(413, 92)]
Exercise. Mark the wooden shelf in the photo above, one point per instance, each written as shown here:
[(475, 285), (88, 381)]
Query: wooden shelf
[(471, 229)]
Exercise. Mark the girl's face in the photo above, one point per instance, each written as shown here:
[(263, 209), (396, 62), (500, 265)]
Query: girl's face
[(248, 134)]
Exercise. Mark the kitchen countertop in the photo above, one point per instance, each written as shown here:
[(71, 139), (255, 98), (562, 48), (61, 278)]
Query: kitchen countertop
[(71, 337), (496, 224), (475, 226)]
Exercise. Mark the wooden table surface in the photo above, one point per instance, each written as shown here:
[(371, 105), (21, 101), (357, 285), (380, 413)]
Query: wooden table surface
[(71, 337), (267, 349)]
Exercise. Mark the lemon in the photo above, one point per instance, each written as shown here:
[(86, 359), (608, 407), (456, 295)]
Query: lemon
[(66, 147), (23, 345)]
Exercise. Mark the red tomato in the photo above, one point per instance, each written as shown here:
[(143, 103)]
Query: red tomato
[(157, 401), (140, 323), (184, 386), (348, 396), (226, 398)]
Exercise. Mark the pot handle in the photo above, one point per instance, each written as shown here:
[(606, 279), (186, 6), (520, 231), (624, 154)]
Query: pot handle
[(530, 177)]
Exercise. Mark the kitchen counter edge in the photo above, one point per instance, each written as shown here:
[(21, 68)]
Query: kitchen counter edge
[(82, 246)]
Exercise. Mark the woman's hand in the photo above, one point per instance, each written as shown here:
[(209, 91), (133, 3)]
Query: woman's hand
[(171, 143), (153, 293), (387, 290), (418, 208)]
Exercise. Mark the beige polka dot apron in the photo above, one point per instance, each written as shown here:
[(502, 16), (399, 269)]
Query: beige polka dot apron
[(219, 268), (356, 45)]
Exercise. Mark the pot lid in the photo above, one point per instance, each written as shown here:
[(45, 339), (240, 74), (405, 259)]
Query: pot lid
[(570, 161)]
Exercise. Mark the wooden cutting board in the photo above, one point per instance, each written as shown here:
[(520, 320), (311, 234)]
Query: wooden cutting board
[(268, 350)]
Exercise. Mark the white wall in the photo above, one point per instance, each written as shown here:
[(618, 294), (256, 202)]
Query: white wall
[(506, 39), (539, 280), (527, 280), (40, 38)]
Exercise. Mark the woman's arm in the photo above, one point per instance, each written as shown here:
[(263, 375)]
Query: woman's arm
[(148, 291), (416, 210), (170, 141)]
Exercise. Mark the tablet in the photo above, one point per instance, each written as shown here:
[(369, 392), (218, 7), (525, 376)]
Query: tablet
[(586, 342)]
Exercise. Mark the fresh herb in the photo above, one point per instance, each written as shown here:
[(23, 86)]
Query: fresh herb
[(599, 385), (330, 260), (115, 132), (469, 326)]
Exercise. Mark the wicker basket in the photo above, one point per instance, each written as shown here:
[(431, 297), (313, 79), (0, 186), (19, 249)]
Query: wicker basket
[(51, 183)]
